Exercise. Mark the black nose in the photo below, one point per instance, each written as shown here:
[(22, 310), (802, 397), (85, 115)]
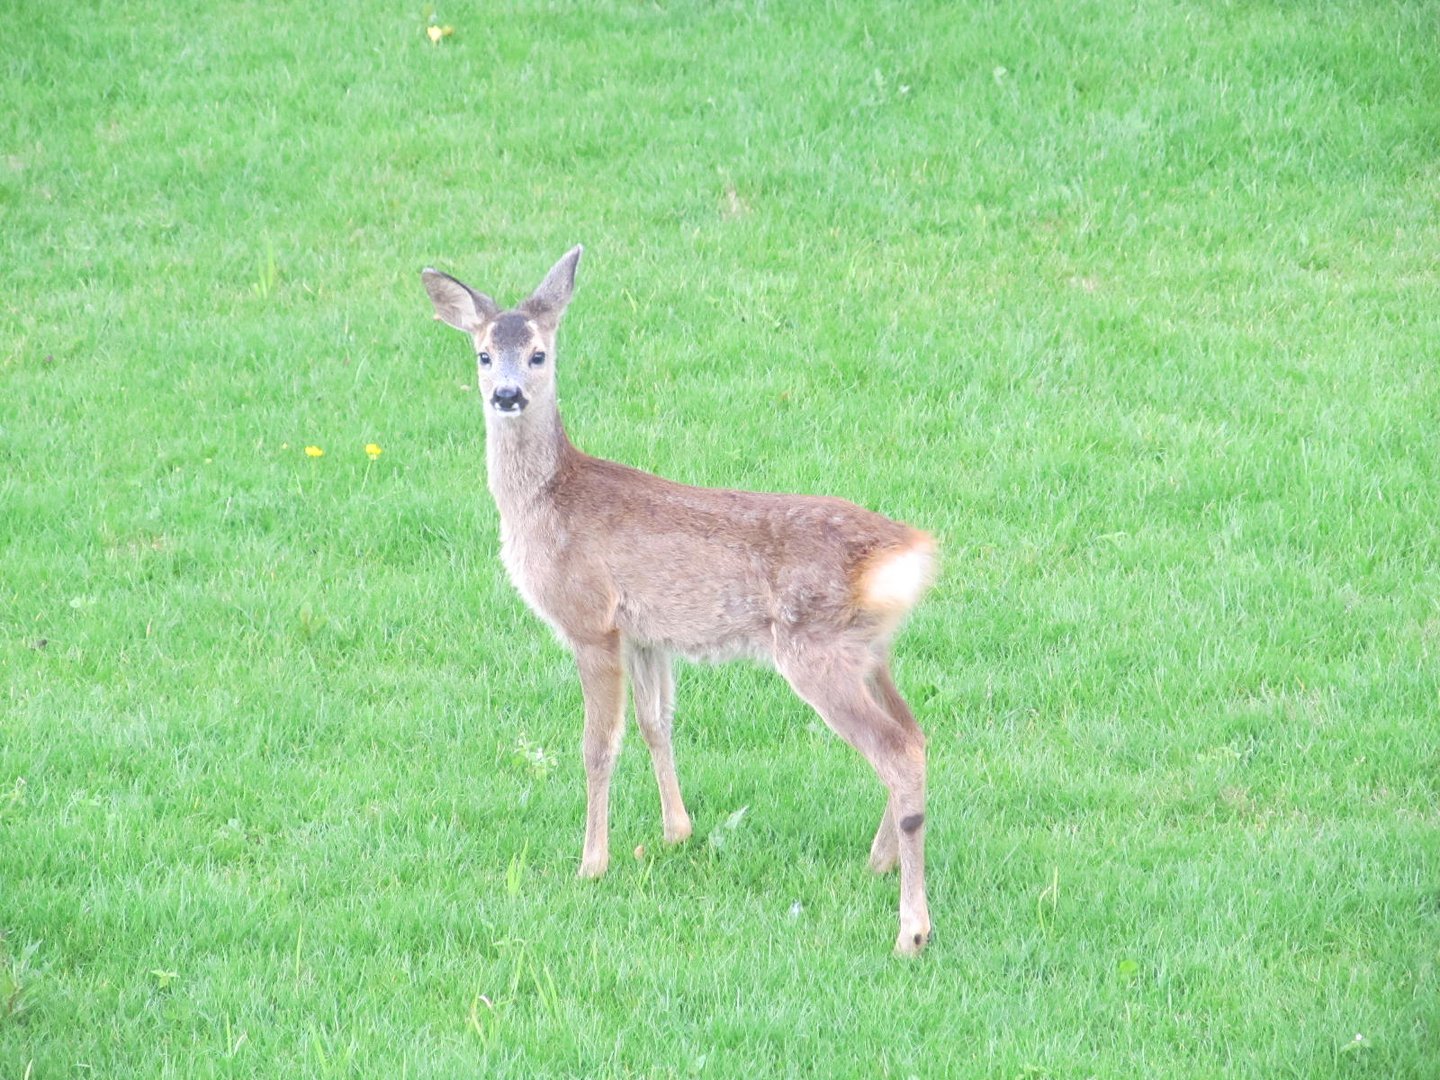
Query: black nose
[(508, 398)]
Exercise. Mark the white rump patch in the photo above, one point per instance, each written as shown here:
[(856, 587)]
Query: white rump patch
[(896, 581)]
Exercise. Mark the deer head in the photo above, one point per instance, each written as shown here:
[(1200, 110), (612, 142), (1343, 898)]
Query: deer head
[(514, 349)]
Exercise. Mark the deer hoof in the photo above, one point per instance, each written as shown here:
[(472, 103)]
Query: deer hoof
[(677, 832), (594, 868), (912, 941)]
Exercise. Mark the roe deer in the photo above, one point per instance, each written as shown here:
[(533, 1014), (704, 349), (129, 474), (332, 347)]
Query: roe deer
[(631, 569)]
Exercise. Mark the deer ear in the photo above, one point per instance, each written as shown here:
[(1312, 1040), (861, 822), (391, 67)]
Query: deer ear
[(548, 302), (456, 304)]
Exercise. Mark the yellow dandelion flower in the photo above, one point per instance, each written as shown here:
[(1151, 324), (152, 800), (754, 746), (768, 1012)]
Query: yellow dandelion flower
[(373, 450), (314, 451)]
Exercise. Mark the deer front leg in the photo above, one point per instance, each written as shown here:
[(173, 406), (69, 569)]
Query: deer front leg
[(652, 685), (604, 689)]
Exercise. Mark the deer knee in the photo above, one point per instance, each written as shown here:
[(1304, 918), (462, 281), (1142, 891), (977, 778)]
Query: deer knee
[(654, 720), (658, 737), (599, 762), (600, 748)]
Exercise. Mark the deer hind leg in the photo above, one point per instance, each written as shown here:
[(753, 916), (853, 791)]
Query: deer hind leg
[(652, 685), (604, 689), (833, 682), (885, 850)]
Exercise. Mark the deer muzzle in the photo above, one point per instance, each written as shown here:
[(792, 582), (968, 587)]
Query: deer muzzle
[(508, 399)]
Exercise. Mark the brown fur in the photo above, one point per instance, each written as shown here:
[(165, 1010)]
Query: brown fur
[(631, 569)]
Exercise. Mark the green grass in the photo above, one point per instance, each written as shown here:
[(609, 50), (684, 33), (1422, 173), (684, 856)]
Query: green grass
[(1133, 305)]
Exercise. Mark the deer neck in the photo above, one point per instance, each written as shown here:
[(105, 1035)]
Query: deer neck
[(522, 456)]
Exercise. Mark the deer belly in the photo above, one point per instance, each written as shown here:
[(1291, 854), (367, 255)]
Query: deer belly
[(698, 623)]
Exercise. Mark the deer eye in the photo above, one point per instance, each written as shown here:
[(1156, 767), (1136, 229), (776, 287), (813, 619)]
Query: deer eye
[(484, 359), (537, 359)]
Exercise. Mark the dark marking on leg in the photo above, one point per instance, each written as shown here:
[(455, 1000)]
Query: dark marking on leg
[(913, 822)]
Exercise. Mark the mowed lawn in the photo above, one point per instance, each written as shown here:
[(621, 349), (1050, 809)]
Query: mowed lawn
[(1134, 306)]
